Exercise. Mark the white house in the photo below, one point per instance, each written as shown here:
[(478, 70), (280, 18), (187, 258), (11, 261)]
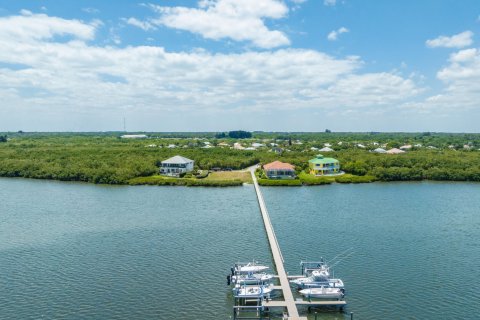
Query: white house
[(380, 150), (176, 166)]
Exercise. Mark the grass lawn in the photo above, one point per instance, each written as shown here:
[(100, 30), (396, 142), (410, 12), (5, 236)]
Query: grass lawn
[(230, 175)]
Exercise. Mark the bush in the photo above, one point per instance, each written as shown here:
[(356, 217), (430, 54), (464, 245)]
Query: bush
[(202, 174), (311, 180), (348, 178), (189, 182), (286, 183)]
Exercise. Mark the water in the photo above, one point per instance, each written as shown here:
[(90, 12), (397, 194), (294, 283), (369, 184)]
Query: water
[(79, 251), (416, 246)]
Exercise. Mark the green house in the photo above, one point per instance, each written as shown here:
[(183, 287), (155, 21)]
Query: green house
[(321, 166)]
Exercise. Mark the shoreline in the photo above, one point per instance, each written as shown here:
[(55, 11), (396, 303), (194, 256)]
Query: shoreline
[(221, 184)]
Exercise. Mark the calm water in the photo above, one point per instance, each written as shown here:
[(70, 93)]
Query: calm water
[(78, 251)]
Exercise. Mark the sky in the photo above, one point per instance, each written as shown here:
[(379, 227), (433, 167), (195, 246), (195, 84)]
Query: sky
[(218, 65)]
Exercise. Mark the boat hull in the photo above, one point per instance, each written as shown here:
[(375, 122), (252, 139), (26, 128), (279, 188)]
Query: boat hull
[(305, 283), (323, 293), (252, 292), (254, 279)]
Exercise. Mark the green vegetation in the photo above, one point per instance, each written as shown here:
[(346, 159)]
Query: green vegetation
[(239, 134), (311, 180), (287, 182), (349, 178), (189, 182), (105, 158), (243, 176)]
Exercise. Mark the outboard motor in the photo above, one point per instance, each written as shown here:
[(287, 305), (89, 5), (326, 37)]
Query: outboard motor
[(232, 270), (228, 279)]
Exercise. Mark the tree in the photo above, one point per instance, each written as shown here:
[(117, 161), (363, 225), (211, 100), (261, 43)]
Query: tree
[(240, 134), (328, 131), (3, 138)]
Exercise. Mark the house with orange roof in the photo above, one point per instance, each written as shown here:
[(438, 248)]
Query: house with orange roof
[(279, 170)]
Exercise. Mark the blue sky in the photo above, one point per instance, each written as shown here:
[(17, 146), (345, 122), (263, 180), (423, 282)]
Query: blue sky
[(211, 65)]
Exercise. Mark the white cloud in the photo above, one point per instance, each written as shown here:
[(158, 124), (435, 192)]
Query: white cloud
[(144, 25), (236, 20), (332, 36), (460, 40), (330, 3), (298, 1), (462, 80), (40, 26), (74, 78)]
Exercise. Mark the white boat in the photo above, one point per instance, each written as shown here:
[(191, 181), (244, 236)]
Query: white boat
[(252, 278), (310, 282), (317, 279), (250, 267), (252, 291), (323, 293)]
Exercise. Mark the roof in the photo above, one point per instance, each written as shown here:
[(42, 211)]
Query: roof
[(380, 150), (134, 136), (321, 160), (278, 165), (326, 149), (395, 151), (177, 159)]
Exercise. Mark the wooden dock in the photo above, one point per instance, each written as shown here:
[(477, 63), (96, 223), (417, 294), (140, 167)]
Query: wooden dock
[(289, 303), (275, 303)]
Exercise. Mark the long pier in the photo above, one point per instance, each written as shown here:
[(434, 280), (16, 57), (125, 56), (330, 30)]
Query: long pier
[(289, 302)]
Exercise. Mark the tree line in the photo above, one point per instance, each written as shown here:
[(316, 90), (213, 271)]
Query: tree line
[(106, 159)]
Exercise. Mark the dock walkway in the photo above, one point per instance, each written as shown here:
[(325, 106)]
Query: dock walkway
[(289, 302)]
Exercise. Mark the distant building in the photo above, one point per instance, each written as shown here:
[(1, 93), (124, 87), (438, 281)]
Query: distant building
[(406, 147), (279, 170), (395, 151), (380, 150), (277, 150), (326, 149), (176, 166), (321, 166), (238, 146), (134, 136)]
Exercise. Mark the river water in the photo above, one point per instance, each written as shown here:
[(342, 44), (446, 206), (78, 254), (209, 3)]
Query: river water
[(81, 251)]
